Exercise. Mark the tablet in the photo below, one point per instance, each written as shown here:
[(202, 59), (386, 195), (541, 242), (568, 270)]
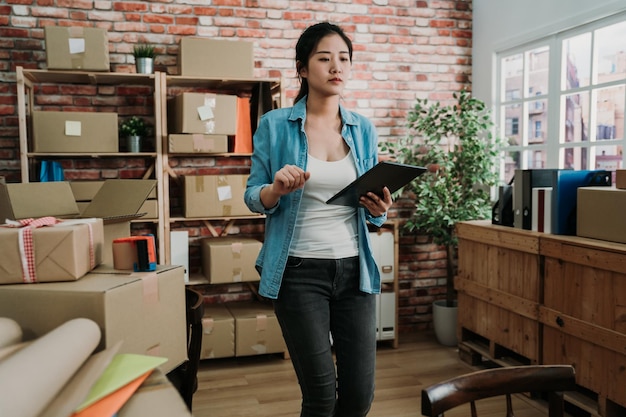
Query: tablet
[(392, 175)]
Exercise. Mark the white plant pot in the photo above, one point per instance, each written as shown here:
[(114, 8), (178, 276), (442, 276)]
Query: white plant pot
[(144, 65), (133, 144), (444, 322)]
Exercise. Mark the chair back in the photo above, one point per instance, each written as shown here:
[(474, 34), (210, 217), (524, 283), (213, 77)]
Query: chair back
[(185, 377), (474, 386)]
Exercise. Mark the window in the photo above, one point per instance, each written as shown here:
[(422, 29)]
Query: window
[(561, 100)]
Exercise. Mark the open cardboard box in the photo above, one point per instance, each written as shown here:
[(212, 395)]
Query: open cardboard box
[(116, 203)]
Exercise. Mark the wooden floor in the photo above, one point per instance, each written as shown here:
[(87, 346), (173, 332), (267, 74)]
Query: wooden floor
[(266, 386)]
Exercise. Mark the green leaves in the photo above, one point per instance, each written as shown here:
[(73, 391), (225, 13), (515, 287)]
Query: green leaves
[(456, 143), (143, 50), (135, 126)]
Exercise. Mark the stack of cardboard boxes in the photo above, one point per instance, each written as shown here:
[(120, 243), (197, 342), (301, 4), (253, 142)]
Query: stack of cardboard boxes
[(202, 122), (240, 329), (144, 310), (81, 49)]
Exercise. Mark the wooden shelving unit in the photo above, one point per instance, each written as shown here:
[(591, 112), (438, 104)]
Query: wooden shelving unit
[(28, 79)]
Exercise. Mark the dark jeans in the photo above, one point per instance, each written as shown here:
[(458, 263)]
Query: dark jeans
[(318, 297)]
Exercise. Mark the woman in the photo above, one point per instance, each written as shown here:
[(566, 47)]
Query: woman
[(316, 262)]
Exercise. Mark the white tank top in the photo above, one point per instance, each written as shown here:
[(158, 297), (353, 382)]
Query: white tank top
[(323, 230)]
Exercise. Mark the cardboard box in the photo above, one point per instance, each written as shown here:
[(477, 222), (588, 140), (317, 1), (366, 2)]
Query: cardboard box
[(145, 310), (257, 331), (151, 208), (600, 213), (215, 58), (229, 259), (197, 143), (62, 252), (620, 179), (218, 332), (215, 195), (78, 48), (85, 191), (117, 202), (204, 113), (56, 131)]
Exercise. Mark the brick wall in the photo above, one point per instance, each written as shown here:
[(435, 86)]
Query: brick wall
[(403, 50)]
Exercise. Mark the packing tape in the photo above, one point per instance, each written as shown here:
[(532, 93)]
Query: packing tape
[(208, 111), (236, 247), (124, 255), (201, 143), (199, 180), (207, 325), (237, 275), (261, 322), (150, 283)]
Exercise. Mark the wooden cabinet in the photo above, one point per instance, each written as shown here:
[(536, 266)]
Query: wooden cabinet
[(499, 284), (551, 299), (584, 313)]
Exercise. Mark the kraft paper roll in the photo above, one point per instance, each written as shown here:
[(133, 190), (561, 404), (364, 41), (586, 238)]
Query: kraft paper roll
[(34, 375), (10, 332)]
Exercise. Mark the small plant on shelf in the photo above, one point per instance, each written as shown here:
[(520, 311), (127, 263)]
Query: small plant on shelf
[(134, 126), (143, 50)]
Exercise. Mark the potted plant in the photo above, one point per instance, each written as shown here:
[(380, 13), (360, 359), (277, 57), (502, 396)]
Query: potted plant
[(134, 130), (144, 58), (456, 144)]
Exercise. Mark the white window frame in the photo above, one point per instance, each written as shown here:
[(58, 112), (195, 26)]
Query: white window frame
[(552, 130)]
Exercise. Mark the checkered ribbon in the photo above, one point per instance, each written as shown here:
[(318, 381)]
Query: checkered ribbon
[(27, 246)]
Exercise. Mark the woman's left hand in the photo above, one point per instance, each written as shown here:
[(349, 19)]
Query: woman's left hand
[(376, 205)]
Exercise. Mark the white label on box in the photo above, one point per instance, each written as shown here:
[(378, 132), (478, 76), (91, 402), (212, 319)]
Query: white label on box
[(77, 45), (72, 128), (224, 193), (205, 113)]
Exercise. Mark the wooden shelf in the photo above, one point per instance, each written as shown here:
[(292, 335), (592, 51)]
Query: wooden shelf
[(87, 77), (231, 86), (91, 154)]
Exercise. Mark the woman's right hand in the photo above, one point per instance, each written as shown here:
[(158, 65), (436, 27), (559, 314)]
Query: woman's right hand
[(286, 180), (289, 178)]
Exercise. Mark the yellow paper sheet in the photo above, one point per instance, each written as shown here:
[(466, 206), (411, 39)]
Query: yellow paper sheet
[(123, 369)]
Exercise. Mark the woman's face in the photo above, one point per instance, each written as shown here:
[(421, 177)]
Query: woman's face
[(329, 67)]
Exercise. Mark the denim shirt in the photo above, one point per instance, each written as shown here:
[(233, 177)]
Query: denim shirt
[(280, 139)]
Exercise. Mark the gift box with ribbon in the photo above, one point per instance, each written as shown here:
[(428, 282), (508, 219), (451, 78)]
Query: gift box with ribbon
[(48, 249)]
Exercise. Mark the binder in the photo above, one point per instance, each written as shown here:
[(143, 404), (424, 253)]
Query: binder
[(502, 211), (542, 209), (564, 194), (525, 180)]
